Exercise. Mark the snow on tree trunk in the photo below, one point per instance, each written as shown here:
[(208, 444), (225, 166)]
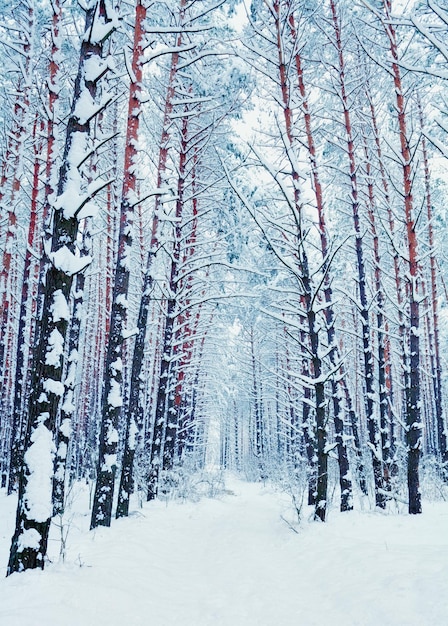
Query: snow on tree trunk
[(372, 425), (307, 297), (434, 340), (344, 468), (112, 399), (135, 419), (412, 389), (10, 187), (380, 329), (396, 263), (68, 400), (23, 330), (172, 413), (73, 201)]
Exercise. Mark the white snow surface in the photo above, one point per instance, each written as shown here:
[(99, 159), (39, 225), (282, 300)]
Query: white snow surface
[(39, 459), (69, 263), (55, 348), (60, 308), (233, 561), (114, 396)]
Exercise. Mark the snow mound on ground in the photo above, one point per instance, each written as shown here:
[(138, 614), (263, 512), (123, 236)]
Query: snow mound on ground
[(233, 561)]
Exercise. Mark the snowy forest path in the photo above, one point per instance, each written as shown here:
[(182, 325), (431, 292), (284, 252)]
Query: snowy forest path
[(233, 561)]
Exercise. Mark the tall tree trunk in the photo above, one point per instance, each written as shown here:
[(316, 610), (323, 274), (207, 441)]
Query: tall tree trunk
[(307, 288), (11, 182), (380, 330), (23, 331), (368, 360), (259, 435), (29, 543), (412, 390), (112, 398), (161, 401), (136, 421), (398, 284), (67, 409), (344, 469), (172, 414), (434, 338)]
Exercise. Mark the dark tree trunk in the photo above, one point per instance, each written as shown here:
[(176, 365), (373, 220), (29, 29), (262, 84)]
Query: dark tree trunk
[(67, 407), (306, 283), (135, 421), (344, 467), (384, 422), (434, 340), (368, 361), (29, 543), (160, 415)]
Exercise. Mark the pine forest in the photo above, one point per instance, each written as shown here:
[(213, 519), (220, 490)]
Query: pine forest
[(222, 231)]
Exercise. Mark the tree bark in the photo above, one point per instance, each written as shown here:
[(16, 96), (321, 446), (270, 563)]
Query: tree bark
[(412, 390), (29, 543), (368, 360), (112, 397)]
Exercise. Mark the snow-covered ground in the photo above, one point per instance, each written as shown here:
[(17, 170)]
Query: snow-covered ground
[(235, 561)]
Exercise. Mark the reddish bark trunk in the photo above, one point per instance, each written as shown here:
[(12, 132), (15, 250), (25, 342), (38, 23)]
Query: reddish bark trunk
[(112, 397), (412, 391)]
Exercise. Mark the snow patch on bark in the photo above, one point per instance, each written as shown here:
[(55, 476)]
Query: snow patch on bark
[(112, 436), (39, 461), (55, 348), (64, 260), (62, 450), (59, 308), (85, 107), (110, 460), (116, 366), (65, 428), (94, 68), (133, 432), (122, 301), (101, 30), (53, 386), (30, 538), (68, 407), (114, 397)]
